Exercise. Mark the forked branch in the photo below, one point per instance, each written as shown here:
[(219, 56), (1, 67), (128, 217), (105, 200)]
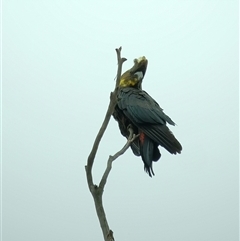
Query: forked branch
[(131, 138), (97, 191)]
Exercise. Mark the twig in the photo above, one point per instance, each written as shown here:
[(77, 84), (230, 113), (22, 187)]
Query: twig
[(131, 138), (120, 62)]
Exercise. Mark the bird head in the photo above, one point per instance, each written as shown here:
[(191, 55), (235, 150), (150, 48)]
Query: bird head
[(134, 76)]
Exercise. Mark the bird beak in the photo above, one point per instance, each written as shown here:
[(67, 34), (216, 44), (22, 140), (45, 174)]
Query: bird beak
[(140, 64)]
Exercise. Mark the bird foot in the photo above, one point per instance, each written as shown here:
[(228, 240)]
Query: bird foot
[(132, 136)]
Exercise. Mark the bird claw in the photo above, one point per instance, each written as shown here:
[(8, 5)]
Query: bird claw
[(132, 136), (130, 127)]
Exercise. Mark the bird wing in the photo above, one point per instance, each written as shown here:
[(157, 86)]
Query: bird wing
[(141, 108), (144, 112)]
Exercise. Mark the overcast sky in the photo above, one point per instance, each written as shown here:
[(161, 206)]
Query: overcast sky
[(59, 65)]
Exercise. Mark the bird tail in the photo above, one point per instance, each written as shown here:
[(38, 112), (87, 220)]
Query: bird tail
[(149, 153)]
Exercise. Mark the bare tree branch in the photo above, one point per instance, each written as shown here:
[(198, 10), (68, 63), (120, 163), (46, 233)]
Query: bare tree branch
[(96, 191)]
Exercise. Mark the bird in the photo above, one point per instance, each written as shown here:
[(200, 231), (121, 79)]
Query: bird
[(137, 110)]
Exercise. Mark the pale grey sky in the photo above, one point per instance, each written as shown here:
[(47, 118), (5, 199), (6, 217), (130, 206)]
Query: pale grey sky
[(59, 65)]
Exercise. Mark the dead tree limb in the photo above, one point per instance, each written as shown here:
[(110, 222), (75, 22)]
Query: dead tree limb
[(97, 190)]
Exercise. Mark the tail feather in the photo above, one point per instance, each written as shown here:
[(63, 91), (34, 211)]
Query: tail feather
[(149, 153)]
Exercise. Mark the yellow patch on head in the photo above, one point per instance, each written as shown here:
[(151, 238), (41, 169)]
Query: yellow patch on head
[(134, 76), (128, 82)]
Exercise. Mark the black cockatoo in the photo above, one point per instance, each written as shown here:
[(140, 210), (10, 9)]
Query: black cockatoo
[(136, 108)]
